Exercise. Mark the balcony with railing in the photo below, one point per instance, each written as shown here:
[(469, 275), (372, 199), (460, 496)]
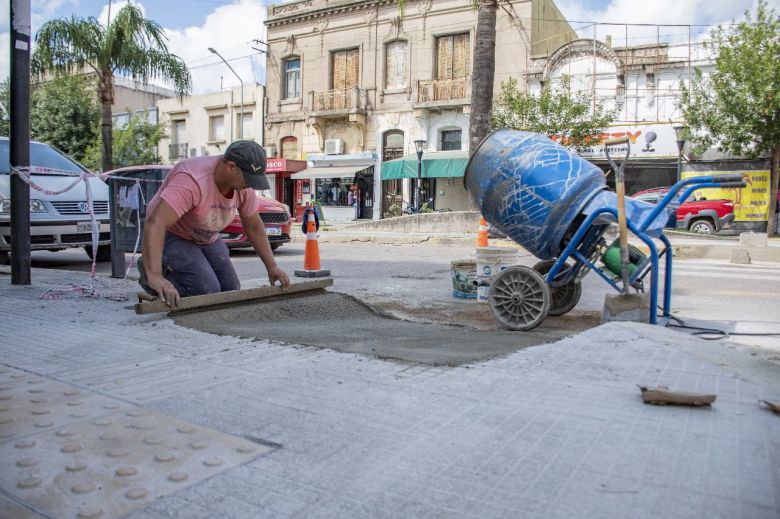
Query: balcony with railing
[(177, 151), (433, 93), (337, 103)]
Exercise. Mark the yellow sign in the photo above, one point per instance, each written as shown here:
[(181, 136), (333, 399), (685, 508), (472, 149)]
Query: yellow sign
[(751, 203)]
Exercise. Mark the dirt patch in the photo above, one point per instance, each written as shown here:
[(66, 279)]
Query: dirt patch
[(341, 322)]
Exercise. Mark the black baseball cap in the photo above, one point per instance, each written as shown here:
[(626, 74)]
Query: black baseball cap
[(250, 158)]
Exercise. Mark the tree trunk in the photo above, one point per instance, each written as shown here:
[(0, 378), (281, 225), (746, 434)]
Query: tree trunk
[(106, 86), (483, 73), (482, 76), (771, 225)]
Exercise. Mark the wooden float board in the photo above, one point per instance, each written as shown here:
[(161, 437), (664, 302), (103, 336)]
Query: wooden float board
[(232, 296)]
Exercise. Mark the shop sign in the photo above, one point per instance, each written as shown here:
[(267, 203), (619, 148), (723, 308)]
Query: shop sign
[(646, 141), (275, 165), (751, 203)]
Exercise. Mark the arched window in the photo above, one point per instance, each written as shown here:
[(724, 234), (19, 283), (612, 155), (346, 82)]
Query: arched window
[(392, 145), (289, 146)]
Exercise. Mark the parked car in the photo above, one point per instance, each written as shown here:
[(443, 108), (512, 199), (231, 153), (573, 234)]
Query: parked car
[(701, 216), (56, 221), (275, 215), (276, 218)]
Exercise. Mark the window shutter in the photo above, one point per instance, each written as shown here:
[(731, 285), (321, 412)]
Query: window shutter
[(339, 70), (353, 69), (460, 62), (396, 66), (444, 57)]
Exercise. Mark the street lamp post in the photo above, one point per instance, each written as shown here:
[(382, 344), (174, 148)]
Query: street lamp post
[(241, 126), (679, 133), (419, 144)]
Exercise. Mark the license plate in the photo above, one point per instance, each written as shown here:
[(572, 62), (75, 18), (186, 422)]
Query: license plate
[(274, 231), (83, 227)]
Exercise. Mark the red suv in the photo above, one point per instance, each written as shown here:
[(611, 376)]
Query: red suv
[(275, 216), (700, 216)]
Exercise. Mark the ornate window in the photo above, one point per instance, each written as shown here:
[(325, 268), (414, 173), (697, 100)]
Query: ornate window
[(292, 78), (453, 56), (396, 64)]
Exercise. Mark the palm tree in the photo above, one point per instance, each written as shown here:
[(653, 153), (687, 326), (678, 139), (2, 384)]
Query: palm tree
[(130, 45), (484, 72)]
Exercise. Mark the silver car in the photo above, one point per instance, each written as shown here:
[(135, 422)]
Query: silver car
[(56, 221)]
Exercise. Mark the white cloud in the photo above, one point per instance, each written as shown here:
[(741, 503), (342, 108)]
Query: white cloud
[(115, 8), (661, 12), (230, 30)]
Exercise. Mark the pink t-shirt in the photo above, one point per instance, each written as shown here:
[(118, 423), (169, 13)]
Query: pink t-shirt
[(203, 212)]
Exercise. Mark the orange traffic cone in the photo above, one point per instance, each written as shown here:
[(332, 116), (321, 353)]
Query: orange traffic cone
[(482, 236), (311, 258)]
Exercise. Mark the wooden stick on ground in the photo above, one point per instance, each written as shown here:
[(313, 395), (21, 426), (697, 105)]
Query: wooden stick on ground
[(233, 296), (662, 396)]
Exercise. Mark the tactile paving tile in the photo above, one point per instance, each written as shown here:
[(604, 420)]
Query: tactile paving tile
[(103, 460)]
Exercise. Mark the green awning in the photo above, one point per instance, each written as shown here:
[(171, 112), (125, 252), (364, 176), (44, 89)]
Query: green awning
[(435, 164)]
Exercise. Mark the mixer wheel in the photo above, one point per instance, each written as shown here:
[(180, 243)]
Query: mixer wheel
[(564, 298), (519, 298)]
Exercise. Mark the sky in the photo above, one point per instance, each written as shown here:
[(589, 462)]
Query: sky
[(230, 27)]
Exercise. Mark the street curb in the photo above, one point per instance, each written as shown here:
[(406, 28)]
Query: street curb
[(714, 251)]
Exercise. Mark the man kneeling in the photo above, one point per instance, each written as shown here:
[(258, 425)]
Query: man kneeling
[(183, 254)]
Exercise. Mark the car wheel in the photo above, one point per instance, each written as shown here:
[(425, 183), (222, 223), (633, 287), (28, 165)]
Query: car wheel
[(103, 252), (702, 227), (275, 246)]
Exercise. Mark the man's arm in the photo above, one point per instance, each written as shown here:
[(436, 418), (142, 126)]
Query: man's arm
[(160, 220), (255, 231)]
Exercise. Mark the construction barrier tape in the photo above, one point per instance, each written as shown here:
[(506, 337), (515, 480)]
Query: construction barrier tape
[(92, 291)]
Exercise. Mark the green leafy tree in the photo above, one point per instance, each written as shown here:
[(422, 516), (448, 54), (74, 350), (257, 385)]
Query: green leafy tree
[(553, 112), (5, 107), (137, 142), (65, 114), (737, 106), (130, 45)]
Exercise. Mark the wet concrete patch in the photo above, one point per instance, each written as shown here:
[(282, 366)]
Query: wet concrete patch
[(341, 322)]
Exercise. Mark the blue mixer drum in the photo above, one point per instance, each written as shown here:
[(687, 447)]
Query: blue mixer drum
[(531, 188)]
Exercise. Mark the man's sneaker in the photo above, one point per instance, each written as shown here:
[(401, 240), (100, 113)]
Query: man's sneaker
[(142, 277)]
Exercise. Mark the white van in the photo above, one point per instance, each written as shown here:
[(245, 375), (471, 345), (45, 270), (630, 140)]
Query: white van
[(56, 221)]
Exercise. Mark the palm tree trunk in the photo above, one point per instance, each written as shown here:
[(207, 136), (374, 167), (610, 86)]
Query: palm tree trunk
[(482, 76), (106, 86), (771, 226), (484, 73)]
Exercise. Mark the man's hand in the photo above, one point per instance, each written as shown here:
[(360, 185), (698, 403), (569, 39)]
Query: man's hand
[(165, 290), (277, 274)]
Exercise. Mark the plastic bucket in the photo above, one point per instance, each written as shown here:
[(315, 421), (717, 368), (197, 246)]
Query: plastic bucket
[(464, 276), (490, 262)]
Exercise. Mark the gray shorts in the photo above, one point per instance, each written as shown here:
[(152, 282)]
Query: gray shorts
[(196, 269)]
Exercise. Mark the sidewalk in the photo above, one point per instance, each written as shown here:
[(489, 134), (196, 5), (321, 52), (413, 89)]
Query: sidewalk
[(557, 430)]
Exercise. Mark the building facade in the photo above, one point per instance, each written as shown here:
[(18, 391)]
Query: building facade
[(206, 124), (641, 84), (353, 83)]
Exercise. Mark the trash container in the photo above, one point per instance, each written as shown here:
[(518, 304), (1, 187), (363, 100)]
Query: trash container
[(128, 199)]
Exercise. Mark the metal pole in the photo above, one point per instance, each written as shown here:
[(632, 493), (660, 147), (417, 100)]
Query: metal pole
[(419, 180), (679, 162), (20, 141), (241, 126)]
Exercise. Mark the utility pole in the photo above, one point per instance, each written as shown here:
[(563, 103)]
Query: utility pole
[(20, 141)]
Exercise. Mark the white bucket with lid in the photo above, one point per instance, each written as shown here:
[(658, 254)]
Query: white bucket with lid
[(490, 262)]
